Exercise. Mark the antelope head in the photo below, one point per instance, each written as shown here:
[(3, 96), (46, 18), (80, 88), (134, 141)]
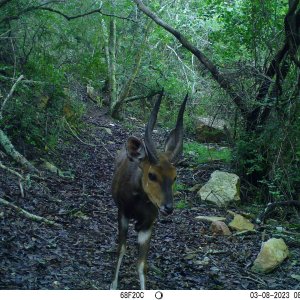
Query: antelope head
[(158, 172)]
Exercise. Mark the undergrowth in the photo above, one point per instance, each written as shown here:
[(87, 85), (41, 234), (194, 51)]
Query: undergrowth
[(203, 153)]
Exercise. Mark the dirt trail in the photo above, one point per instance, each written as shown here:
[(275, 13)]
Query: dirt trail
[(80, 254)]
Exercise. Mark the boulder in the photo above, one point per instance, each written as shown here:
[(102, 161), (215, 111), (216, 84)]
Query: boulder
[(219, 228), (271, 255), (240, 223), (221, 189), (210, 130)]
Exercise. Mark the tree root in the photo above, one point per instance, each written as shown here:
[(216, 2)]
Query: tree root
[(7, 169), (272, 205), (12, 152), (28, 214), (21, 178)]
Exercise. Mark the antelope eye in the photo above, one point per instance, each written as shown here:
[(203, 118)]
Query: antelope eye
[(152, 176)]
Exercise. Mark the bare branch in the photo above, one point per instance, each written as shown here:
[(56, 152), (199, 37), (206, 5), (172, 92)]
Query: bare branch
[(9, 95), (27, 214), (7, 169), (85, 143), (85, 14), (137, 97), (69, 18), (272, 205)]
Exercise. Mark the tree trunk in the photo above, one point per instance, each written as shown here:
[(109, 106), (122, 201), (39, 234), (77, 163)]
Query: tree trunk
[(107, 58), (116, 101), (112, 64)]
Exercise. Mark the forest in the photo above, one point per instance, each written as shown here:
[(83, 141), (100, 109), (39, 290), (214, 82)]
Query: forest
[(212, 204)]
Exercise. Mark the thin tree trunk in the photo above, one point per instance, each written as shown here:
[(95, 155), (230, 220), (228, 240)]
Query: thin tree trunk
[(128, 86), (112, 64), (106, 49)]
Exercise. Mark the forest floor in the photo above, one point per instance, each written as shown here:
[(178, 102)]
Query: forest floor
[(81, 252)]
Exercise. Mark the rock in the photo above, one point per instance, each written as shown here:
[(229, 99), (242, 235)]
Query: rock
[(214, 270), (219, 228), (204, 262), (210, 218), (210, 130), (221, 189), (272, 254), (240, 223)]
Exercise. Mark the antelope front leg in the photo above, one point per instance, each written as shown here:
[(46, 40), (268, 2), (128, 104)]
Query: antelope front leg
[(123, 229), (143, 243)]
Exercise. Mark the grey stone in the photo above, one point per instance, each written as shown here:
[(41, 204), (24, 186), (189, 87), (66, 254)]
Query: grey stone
[(221, 189)]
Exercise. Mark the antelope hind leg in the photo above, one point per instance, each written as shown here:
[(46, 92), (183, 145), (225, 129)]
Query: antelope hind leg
[(123, 229)]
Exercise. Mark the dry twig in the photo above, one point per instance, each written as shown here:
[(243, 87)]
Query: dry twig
[(85, 143), (27, 214)]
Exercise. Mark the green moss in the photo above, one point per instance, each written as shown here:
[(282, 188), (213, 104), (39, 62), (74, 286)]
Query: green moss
[(203, 154)]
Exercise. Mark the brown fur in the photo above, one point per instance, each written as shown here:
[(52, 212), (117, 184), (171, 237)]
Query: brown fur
[(134, 193)]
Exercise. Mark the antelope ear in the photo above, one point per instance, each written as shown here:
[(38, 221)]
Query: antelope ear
[(170, 142), (135, 149), (173, 143)]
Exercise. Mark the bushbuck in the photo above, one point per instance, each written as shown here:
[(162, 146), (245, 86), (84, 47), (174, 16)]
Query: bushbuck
[(143, 186)]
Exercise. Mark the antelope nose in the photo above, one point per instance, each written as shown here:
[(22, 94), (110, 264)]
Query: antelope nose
[(167, 209)]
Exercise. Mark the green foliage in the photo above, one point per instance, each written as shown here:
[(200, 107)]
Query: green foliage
[(203, 154), (271, 157), (181, 204), (240, 37), (36, 116), (250, 24), (179, 187)]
